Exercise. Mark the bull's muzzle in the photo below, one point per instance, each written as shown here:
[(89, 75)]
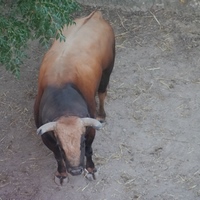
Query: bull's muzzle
[(75, 171)]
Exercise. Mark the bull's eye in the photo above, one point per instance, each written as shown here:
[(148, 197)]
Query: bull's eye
[(83, 142), (58, 142), (60, 148), (63, 154)]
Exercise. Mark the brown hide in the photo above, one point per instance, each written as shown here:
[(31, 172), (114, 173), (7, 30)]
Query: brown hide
[(87, 51)]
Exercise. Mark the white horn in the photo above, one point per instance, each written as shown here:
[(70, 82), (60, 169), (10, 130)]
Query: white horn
[(46, 127), (91, 122)]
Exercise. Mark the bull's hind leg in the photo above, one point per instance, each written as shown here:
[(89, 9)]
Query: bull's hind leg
[(102, 92), (61, 174)]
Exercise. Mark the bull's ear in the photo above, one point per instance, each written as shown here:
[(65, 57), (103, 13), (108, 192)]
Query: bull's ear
[(92, 122), (46, 127)]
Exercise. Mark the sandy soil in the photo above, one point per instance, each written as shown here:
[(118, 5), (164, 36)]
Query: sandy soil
[(149, 147)]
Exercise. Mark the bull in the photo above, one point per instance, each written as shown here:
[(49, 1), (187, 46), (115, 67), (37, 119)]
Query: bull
[(72, 72)]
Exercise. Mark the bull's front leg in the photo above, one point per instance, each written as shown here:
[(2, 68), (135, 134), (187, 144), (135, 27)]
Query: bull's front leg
[(90, 167), (61, 174)]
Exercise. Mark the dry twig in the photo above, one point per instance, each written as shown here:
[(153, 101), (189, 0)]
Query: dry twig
[(122, 23), (155, 18)]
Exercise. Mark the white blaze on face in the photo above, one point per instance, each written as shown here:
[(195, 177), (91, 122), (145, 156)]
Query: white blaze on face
[(69, 131)]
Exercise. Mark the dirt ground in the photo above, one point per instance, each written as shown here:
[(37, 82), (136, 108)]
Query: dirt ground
[(149, 148)]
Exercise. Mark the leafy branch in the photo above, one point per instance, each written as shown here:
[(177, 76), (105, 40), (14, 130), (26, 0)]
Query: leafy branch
[(22, 20)]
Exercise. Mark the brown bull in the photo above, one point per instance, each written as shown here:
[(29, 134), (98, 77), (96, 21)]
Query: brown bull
[(71, 74)]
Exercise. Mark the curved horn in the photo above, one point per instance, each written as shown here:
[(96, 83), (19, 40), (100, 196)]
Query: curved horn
[(46, 127), (91, 122)]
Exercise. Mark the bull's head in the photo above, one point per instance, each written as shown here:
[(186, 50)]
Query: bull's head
[(70, 134)]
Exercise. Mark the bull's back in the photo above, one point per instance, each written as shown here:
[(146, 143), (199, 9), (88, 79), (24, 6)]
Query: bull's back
[(80, 60), (90, 36), (85, 53)]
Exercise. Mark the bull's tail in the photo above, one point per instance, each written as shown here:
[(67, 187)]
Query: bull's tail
[(95, 14)]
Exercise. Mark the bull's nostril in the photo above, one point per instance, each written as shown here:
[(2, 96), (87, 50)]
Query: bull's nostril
[(76, 171)]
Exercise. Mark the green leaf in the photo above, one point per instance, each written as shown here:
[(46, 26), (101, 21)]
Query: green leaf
[(23, 20)]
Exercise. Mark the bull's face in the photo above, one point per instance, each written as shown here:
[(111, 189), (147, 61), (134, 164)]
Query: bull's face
[(70, 134)]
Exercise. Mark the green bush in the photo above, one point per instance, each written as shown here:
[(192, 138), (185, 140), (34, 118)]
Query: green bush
[(22, 20)]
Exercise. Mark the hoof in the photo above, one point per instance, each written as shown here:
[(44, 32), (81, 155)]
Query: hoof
[(101, 119), (61, 180), (90, 174)]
